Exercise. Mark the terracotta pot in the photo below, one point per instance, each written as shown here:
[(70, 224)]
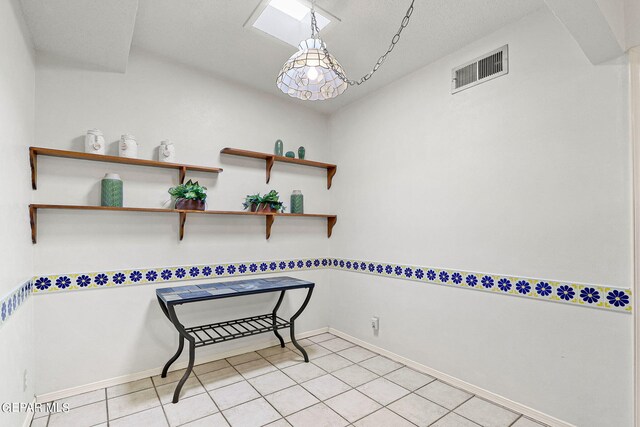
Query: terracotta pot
[(262, 207), (190, 205)]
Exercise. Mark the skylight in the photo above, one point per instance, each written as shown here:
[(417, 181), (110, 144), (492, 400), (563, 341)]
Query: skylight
[(287, 20)]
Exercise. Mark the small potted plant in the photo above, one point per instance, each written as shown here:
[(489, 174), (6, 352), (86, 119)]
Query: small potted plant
[(190, 196), (270, 202)]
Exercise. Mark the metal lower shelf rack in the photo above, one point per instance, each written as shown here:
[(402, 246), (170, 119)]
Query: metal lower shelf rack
[(238, 328)]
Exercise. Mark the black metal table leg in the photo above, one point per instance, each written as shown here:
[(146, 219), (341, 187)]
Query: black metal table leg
[(273, 318), (192, 351), (292, 327)]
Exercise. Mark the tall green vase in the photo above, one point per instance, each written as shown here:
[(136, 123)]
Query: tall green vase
[(297, 202), (111, 190)]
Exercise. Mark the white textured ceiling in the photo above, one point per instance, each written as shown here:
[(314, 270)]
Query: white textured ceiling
[(210, 35), (89, 32)]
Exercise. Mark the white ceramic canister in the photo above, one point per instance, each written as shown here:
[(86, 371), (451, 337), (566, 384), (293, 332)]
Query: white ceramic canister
[(128, 146), (94, 142), (167, 152)]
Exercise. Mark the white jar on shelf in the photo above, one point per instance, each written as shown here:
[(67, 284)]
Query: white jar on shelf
[(128, 146), (167, 152), (94, 142)]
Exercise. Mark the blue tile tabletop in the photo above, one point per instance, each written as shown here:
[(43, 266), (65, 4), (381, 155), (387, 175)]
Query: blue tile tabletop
[(191, 293)]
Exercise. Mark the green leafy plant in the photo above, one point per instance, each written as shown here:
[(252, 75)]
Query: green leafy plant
[(189, 191), (271, 199)]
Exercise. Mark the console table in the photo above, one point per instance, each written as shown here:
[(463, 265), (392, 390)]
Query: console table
[(200, 336)]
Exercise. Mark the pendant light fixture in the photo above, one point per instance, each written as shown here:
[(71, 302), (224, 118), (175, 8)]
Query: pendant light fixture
[(312, 73)]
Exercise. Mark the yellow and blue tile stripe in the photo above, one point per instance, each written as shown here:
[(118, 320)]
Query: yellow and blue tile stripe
[(585, 295)]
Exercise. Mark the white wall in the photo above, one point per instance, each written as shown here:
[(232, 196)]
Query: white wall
[(155, 100), (528, 175), (17, 82)]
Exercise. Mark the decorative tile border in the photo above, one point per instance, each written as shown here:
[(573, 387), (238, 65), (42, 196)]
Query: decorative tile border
[(121, 278), (596, 296), (13, 300), (604, 297)]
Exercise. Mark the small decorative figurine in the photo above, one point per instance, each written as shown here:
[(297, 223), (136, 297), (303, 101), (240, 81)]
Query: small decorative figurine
[(290, 154), (111, 190), (301, 152), (167, 152), (297, 202), (278, 148), (94, 142), (128, 146)]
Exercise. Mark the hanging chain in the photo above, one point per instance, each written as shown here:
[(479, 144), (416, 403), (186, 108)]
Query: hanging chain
[(315, 33)]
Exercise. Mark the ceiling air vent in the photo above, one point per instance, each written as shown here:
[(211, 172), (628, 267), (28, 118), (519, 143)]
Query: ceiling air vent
[(484, 68)]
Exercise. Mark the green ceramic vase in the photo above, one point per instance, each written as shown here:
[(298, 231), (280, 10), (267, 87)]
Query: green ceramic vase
[(278, 148), (301, 152), (290, 154), (297, 202), (111, 190)]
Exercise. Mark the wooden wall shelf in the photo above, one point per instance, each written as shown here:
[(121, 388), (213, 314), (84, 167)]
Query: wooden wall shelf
[(271, 159), (34, 152), (269, 217)]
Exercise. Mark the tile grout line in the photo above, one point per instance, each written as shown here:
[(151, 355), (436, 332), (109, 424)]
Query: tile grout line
[(160, 401)]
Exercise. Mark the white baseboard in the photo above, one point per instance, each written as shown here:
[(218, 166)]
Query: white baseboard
[(496, 398), (61, 394)]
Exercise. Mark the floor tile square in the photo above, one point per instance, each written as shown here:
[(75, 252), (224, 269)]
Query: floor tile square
[(325, 387), (291, 400), (443, 394), (210, 367), (215, 420), (83, 399), (234, 394), (243, 358), (286, 359), (251, 414), (409, 379), (39, 422), (255, 368), (383, 418), (454, 420), (91, 414), (304, 343), (190, 388), (418, 410), (357, 354), (322, 337), (280, 423), (526, 422), (332, 362), (190, 409), (220, 378), (383, 391), (271, 382), (151, 417), (380, 365), (133, 402), (171, 377), (486, 414), (355, 375), (303, 372), (130, 387), (352, 405), (319, 415), (336, 344), (271, 351)]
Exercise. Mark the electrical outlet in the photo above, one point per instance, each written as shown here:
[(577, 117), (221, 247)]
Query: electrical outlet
[(375, 323), (24, 380)]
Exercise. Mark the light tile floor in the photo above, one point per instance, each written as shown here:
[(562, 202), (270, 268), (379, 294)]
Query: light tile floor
[(344, 385)]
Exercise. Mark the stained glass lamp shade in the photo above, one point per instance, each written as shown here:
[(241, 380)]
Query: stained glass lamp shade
[(308, 75)]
